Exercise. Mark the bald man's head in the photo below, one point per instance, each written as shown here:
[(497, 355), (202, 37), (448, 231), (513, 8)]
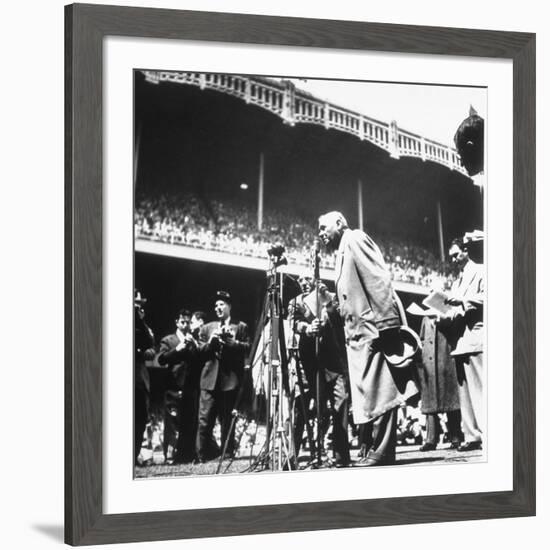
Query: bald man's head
[(331, 228)]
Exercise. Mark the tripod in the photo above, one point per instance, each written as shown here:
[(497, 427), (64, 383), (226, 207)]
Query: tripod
[(269, 351), (278, 452)]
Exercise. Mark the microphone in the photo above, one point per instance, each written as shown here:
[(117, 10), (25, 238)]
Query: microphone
[(316, 245), (316, 258)]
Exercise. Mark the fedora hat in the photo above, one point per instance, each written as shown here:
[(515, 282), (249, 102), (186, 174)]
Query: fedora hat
[(138, 298), (473, 236), (224, 296), (403, 348)]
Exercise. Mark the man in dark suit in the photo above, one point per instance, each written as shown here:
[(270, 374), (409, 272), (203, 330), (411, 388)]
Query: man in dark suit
[(372, 319), (328, 357), (144, 342), (223, 346), (300, 318), (179, 352)]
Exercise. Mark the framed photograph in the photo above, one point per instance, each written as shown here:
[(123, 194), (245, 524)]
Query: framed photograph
[(300, 273)]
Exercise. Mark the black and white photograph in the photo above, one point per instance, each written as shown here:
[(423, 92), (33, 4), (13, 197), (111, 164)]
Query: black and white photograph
[(309, 275)]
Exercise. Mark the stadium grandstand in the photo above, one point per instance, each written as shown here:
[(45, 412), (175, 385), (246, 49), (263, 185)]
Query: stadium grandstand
[(223, 170), (231, 228)]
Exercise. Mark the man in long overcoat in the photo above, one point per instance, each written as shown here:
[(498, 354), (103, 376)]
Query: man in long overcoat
[(372, 319), (438, 381)]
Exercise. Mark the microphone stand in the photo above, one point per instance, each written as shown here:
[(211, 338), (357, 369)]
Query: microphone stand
[(316, 278)]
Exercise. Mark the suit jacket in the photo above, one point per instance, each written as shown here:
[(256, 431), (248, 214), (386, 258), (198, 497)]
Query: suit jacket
[(144, 342), (368, 305), (332, 355), (183, 363), (467, 320), (301, 316), (223, 364)]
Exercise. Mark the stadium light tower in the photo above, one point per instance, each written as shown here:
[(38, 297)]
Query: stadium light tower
[(261, 193), (440, 232), (360, 203)]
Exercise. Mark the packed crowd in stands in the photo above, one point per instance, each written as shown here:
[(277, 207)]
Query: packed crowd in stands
[(229, 226)]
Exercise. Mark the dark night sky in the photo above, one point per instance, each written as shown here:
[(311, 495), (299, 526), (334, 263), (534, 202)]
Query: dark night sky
[(210, 142)]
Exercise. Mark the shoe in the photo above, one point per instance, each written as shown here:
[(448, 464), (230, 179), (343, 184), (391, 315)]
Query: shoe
[(207, 456), (342, 463), (374, 462), (371, 462), (364, 450), (187, 459), (361, 461), (470, 446), (428, 447), (454, 445), (368, 461)]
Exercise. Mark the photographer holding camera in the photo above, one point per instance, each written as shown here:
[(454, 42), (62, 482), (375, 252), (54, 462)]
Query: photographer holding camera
[(223, 346), (179, 352)]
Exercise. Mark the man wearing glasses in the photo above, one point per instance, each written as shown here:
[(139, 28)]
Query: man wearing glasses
[(467, 298)]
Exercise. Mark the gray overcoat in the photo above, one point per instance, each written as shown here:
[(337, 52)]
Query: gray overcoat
[(368, 305)]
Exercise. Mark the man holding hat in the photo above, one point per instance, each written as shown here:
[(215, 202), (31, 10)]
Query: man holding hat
[(223, 346), (379, 347)]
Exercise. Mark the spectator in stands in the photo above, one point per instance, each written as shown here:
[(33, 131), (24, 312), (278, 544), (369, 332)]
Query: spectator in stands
[(231, 227)]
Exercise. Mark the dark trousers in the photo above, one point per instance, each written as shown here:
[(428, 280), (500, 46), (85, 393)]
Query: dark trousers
[(381, 434), (141, 414), (334, 391), (187, 424), (215, 404), (365, 438), (302, 413), (186, 406), (306, 384), (433, 427)]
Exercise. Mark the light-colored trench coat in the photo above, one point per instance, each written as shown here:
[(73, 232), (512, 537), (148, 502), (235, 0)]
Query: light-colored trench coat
[(368, 305)]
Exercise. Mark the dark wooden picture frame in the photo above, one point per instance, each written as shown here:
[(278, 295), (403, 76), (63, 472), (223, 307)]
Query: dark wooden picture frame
[(85, 28)]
